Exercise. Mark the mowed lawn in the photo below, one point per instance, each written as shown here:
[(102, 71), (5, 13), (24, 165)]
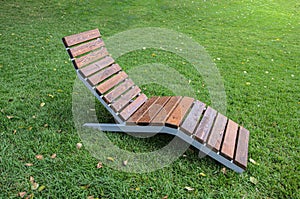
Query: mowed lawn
[(255, 46)]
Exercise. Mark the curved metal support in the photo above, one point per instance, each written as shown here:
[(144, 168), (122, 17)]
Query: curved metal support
[(176, 132)]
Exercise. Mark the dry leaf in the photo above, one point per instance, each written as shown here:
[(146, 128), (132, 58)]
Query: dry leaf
[(202, 174), (223, 170), (125, 162), (53, 155), (42, 188), (15, 131), (30, 196), (46, 125), (137, 189), (28, 164), (99, 165), (39, 157), (78, 145), (189, 188), (35, 186), (253, 161), (253, 180), (50, 95), (10, 116), (42, 104), (110, 159), (31, 179), (165, 197), (22, 194), (90, 197)]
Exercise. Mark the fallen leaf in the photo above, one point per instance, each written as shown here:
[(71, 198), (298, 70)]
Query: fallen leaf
[(202, 174), (223, 170), (165, 197), (39, 157), (99, 165), (53, 155), (31, 179), (30, 196), (50, 95), (137, 189), (90, 197), (28, 164), (253, 180), (33, 116), (34, 186), (46, 125), (125, 162), (42, 104), (189, 188), (253, 161), (30, 128), (10, 116), (15, 131), (110, 159), (22, 194), (42, 188), (78, 145)]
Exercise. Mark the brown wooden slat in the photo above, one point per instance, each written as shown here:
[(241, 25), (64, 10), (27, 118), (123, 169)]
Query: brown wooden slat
[(164, 113), (94, 67), (189, 124), (132, 107), (205, 125), (110, 83), (86, 47), (91, 57), (139, 113), (241, 155), (153, 110), (104, 74), (123, 100), (176, 117), (217, 132), (228, 145), (81, 37), (117, 91)]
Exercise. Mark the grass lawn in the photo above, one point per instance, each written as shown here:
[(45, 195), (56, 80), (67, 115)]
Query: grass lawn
[(256, 48)]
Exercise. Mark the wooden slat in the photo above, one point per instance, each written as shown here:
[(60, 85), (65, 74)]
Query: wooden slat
[(81, 37), (176, 117), (164, 113), (228, 145), (124, 99), (241, 155), (86, 47), (95, 67), (104, 74), (205, 125), (110, 83), (139, 113), (91, 57), (189, 124), (217, 132), (153, 110), (132, 107), (117, 91)]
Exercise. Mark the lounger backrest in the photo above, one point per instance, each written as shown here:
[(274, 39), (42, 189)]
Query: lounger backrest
[(91, 59)]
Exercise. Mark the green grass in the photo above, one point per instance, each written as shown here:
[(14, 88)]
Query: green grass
[(251, 36)]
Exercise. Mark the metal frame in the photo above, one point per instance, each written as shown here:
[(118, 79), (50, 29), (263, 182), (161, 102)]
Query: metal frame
[(176, 132)]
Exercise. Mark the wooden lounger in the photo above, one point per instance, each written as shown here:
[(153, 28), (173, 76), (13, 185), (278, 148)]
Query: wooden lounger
[(191, 120)]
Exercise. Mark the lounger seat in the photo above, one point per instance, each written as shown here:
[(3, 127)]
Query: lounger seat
[(185, 117)]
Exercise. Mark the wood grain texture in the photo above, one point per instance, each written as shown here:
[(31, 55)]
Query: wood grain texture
[(217, 133), (229, 141), (153, 110), (97, 66), (103, 74), (81, 37), (164, 113), (122, 101), (139, 113), (241, 156), (118, 90), (189, 124), (133, 106), (205, 125), (176, 117), (86, 47), (91, 57), (112, 82)]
